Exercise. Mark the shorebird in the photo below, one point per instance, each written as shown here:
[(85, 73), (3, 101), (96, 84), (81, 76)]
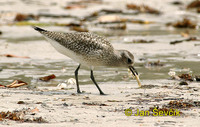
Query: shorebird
[(90, 50)]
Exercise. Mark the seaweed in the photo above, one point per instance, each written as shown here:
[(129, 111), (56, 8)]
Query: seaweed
[(185, 23), (194, 4), (16, 83), (25, 17), (20, 116), (143, 9), (94, 104), (186, 77), (47, 78), (79, 29), (182, 40), (180, 104)]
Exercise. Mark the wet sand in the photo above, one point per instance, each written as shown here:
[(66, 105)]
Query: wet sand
[(65, 108)]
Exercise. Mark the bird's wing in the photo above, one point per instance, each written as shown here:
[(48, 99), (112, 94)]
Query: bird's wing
[(86, 43), (80, 42)]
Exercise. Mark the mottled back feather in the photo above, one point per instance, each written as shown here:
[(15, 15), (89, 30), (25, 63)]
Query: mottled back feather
[(80, 42)]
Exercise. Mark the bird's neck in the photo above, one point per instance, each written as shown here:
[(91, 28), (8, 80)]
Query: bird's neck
[(116, 59)]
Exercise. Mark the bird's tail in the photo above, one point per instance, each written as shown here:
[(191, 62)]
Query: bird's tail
[(56, 36), (39, 29)]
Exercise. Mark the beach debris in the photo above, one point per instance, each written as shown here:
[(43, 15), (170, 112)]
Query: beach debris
[(177, 3), (79, 29), (171, 73), (39, 102), (154, 64), (15, 115), (140, 21), (24, 115), (91, 16), (185, 23), (24, 17), (185, 34), (186, 77), (148, 86), (86, 98), (35, 110), (94, 104), (107, 16), (198, 10), (10, 18), (20, 102), (110, 11), (137, 79), (69, 84), (0, 32), (47, 78), (81, 4), (143, 9), (142, 41), (130, 74), (75, 6), (2, 86), (36, 120), (177, 104), (118, 27), (28, 23), (180, 69), (62, 85), (56, 15), (65, 104), (103, 12), (194, 4), (183, 83), (10, 55), (16, 83), (182, 40), (71, 24), (111, 19), (142, 59), (197, 77), (114, 101)]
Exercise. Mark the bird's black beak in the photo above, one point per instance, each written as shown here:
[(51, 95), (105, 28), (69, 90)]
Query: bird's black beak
[(135, 73), (133, 70)]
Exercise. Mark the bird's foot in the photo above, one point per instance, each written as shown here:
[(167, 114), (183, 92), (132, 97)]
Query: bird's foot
[(101, 93), (78, 91)]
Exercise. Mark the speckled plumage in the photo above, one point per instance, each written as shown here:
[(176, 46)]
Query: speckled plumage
[(90, 50)]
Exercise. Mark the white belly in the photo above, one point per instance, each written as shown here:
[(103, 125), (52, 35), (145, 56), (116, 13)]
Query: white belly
[(63, 50)]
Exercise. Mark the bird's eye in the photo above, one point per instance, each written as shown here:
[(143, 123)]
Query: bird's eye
[(129, 61)]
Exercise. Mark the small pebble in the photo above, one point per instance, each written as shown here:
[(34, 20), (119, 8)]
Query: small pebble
[(20, 102), (64, 104), (183, 83)]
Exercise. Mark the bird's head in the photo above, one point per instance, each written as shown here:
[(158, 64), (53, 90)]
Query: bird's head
[(127, 60)]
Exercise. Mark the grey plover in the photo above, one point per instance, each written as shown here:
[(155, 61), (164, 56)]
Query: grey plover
[(90, 50)]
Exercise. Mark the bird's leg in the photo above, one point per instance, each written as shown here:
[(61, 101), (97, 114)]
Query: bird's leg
[(76, 77), (92, 77)]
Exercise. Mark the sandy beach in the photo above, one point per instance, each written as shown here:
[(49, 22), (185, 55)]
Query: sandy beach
[(164, 43), (65, 108)]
